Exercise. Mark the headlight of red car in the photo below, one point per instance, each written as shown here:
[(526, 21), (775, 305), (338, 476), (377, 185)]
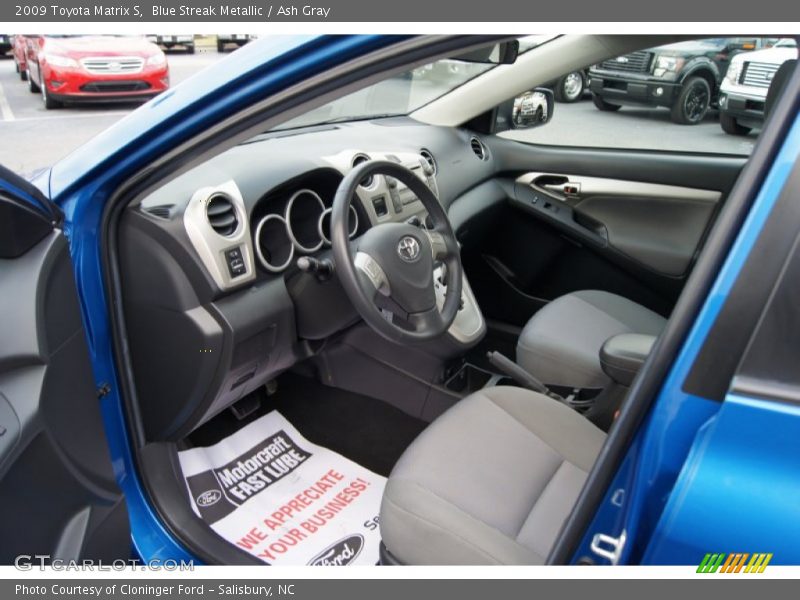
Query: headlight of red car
[(57, 60), (156, 60)]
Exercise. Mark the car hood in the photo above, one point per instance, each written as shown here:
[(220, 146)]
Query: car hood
[(773, 56), (83, 46), (690, 48)]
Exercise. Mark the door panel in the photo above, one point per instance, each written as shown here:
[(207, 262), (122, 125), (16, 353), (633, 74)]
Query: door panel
[(58, 493), (660, 226), (625, 221), (523, 262)]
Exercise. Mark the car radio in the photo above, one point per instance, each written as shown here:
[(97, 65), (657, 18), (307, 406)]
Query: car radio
[(400, 193)]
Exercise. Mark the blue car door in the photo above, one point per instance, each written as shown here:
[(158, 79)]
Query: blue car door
[(700, 468), (59, 499)]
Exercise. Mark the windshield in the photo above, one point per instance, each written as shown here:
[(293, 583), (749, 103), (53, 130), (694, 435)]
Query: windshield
[(786, 43), (404, 93), (398, 95)]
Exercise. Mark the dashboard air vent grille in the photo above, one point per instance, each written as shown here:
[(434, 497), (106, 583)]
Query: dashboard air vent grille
[(428, 158), (360, 159), (163, 211), (221, 214), (478, 148)]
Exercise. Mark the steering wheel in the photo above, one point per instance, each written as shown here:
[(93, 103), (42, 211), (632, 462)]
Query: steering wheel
[(388, 272)]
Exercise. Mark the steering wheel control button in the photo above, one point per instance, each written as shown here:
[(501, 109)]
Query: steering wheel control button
[(408, 248), (367, 265), (438, 244), (235, 262)]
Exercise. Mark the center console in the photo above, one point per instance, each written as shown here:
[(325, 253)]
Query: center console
[(469, 325)]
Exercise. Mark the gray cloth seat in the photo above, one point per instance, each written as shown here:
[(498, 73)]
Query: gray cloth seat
[(561, 343), (490, 481)]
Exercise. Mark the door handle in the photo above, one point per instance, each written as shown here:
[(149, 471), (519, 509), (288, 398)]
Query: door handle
[(558, 186)]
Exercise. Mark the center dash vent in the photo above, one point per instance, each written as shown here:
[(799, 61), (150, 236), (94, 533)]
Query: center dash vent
[(478, 148), (428, 158), (221, 214), (360, 159)]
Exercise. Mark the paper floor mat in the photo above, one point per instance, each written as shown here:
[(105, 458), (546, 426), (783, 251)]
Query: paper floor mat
[(285, 500)]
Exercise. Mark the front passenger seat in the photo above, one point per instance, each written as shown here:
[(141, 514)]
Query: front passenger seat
[(561, 343), (491, 481)]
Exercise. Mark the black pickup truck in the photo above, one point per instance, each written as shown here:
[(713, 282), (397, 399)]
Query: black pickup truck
[(684, 77)]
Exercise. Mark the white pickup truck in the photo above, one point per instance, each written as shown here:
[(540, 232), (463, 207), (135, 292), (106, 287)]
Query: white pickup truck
[(744, 89)]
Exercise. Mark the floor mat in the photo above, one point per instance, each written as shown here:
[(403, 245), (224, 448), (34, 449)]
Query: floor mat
[(285, 500), (368, 431)]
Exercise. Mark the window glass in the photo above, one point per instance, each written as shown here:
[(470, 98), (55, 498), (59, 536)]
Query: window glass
[(706, 95)]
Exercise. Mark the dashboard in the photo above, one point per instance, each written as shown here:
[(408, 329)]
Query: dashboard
[(214, 300)]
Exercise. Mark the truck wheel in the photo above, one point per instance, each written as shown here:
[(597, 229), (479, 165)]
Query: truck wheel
[(190, 49), (603, 105), (731, 125), (692, 103), (220, 46), (569, 88)]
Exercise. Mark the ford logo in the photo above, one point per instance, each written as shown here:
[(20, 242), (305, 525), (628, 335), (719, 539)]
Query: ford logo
[(341, 553), (208, 498)]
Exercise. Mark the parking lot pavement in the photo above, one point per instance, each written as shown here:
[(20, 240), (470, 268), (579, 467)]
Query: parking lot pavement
[(32, 138)]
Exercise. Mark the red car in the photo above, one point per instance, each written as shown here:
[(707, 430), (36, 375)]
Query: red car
[(95, 69), (19, 46)]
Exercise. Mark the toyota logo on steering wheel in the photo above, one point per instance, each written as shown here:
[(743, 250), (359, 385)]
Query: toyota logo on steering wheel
[(408, 248)]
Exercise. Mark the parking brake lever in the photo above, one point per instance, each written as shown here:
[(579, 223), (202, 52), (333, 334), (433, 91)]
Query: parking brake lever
[(511, 369)]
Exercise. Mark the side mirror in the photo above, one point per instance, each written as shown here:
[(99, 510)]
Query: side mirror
[(742, 45), (530, 109)]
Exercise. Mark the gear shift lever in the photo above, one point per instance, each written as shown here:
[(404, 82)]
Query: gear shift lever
[(511, 369)]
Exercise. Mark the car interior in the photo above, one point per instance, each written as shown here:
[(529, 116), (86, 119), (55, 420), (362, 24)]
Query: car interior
[(459, 312)]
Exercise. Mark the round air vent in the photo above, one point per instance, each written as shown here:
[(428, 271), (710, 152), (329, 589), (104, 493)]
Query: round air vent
[(221, 214), (429, 160), (478, 148), (360, 159)]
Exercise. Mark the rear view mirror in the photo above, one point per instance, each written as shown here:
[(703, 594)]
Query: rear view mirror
[(504, 53)]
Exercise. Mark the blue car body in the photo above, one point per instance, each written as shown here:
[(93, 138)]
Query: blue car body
[(688, 452), (705, 476)]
